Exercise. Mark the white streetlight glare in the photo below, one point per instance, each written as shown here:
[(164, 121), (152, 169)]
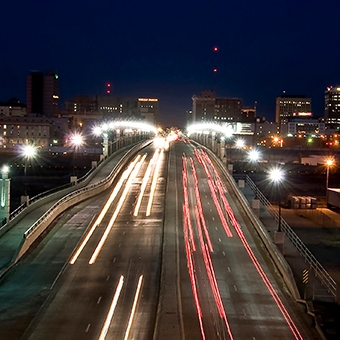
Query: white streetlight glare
[(5, 169), (276, 175), (28, 151), (239, 143), (77, 139), (254, 155)]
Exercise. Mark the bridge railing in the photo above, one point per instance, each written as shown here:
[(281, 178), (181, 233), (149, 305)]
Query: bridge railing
[(123, 142), (319, 270)]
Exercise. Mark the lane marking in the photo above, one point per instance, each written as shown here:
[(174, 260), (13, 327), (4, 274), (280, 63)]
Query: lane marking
[(108, 278), (114, 260), (88, 327), (99, 299), (219, 240), (235, 288), (229, 270)]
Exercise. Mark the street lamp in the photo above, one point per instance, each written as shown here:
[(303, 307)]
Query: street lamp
[(28, 151), (277, 176), (76, 140), (254, 156), (329, 163)]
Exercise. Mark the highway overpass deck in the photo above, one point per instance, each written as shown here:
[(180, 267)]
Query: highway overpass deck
[(11, 240)]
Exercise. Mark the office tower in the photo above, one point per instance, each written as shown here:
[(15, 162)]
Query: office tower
[(148, 108), (291, 106), (43, 94), (332, 105), (208, 107)]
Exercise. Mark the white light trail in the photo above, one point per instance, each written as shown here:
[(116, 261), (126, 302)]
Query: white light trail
[(133, 311), (118, 207), (145, 182), (154, 182), (112, 309), (113, 195)]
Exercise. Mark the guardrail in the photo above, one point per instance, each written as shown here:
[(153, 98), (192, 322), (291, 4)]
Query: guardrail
[(117, 145), (319, 270), (78, 192), (70, 199)]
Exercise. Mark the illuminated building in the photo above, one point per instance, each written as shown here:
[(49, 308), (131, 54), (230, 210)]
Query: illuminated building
[(42, 94), (291, 105), (12, 108), (148, 108), (332, 107), (208, 107)]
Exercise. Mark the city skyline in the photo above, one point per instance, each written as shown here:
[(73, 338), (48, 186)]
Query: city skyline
[(166, 50)]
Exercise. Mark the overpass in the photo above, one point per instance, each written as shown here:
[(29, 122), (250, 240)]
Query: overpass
[(168, 315)]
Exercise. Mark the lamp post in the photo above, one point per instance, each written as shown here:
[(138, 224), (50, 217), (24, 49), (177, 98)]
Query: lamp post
[(277, 176), (254, 156), (76, 140), (329, 163), (28, 151)]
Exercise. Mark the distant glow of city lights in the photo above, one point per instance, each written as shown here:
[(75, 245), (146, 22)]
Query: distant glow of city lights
[(276, 175)]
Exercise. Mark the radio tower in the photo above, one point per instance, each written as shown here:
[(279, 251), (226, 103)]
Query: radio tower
[(215, 69), (108, 88)]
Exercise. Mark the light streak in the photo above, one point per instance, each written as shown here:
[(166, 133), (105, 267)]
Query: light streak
[(112, 309), (194, 286), (186, 204), (145, 182), (133, 311), (103, 212), (154, 182), (259, 268), (199, 206), (118, 207), (188, 249)]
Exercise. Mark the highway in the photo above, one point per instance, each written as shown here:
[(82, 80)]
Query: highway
[(224, 284)]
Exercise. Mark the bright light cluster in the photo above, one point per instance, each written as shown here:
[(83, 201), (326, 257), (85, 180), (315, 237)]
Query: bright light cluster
[(117, 125), (224, 129)]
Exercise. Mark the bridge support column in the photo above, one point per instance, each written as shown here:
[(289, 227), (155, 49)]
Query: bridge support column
[(256, 203), (5, 197)]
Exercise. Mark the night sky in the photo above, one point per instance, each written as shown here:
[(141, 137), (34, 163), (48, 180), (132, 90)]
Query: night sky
[(164, 49)]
